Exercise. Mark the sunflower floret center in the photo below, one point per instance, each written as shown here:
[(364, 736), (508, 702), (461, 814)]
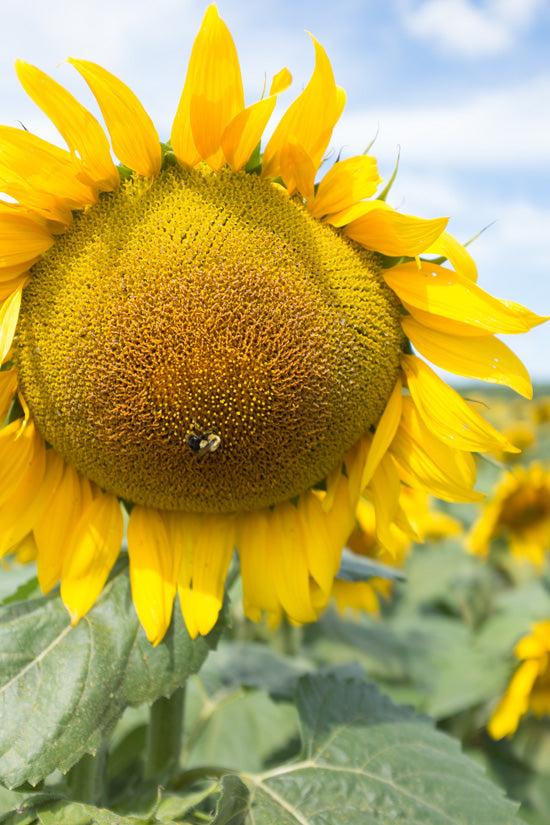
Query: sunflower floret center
[(200, 342)]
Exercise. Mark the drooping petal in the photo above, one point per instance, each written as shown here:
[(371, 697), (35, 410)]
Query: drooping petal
[(20, 442), (244, 132), (258, 592), (384, 489), (22, 240), (20, 512), (322, 550), (340, 507), (309, 121), (377, 226), (9, 315), (212, 95), (354, 461), (446, 413), (426, 461), (133, 135), (288, 567), (345, 184), (436, 289), (214, 544), (55, 525), (79, 128), (152, 572), (384, 433), (93, 548), (357, 596), (484, 357)]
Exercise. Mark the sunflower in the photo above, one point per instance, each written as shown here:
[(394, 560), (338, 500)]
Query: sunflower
[(529, 688), (519, 512), (210, 341), (416, 520)]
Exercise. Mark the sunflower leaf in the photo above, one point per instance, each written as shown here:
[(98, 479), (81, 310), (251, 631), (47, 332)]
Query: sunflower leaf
[(365, 760), (63, 812), (94, 671)]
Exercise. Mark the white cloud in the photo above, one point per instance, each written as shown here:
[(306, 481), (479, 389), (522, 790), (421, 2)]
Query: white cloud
[(503, 128), (468, 29)]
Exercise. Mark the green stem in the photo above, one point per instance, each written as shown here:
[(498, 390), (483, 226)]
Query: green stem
[(164, 734), (87, 778)]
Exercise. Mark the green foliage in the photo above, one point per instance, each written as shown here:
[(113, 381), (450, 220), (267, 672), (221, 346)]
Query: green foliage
[(361, 758), (62, 688)]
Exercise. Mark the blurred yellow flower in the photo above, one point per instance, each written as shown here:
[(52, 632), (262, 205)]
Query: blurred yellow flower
[(529, 688), (205, 337), (519, 512)]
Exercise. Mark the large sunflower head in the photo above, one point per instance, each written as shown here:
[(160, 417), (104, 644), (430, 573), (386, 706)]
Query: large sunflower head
[(220, 342)]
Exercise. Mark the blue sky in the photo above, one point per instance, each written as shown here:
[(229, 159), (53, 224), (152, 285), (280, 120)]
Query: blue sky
[(461, 86)]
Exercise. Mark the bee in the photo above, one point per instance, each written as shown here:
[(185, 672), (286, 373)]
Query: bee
[(201, 442)]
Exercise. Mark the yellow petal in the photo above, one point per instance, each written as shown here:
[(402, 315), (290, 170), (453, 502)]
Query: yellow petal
[(52, 174), (212, 95), (258, 592), (426, 461), (531, 647), (530, 319), (19, 444), (280, 83), (21, 240), (8, 385), (457, 254), (446, 414), (288, 567), (79, 128), (244, 132), (446, 325), (436, 289), (345, 184), (483, 357), (9, 315), (385, 488), (214, 543), (133, 135), (8, 288), (322, 551), (20, 512), (152, 572), (309, 121), (92, 551), (55, 525), (357, 596), (297, 170), (341, 513), (377, 226), (384, 433), (514, 703), (354, 461)]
